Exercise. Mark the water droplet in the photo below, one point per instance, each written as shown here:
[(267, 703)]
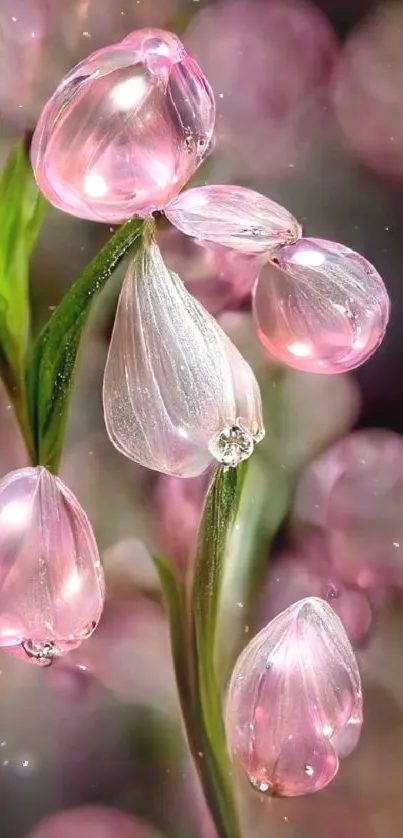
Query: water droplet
[(232, 445), (40, 651), (260, 785)]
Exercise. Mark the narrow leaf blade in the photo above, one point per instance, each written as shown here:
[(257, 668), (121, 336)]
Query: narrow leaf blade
[(22, 208), (53, 357), (174, 597)]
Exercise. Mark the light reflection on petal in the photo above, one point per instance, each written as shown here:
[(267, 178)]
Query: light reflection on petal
[(321, 308)]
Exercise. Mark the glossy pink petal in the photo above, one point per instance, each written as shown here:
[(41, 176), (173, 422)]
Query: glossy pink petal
[(233, 216), (92, 822), (177, 393), (125, 129), (322, 308), (51, 580), (294, 691)]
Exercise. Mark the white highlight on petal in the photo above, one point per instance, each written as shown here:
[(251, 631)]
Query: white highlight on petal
[(95, 186), (129, 93), (300, 350), (15, 512)]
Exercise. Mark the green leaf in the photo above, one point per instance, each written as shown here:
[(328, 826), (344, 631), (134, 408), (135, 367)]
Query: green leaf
[(173, 591), (22, 209), (53, 357), (216, 525)]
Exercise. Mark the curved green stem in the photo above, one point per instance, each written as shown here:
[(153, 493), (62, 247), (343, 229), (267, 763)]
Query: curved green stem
[(193, 617)]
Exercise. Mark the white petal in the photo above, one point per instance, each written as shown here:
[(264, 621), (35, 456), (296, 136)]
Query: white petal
[(173, 380)]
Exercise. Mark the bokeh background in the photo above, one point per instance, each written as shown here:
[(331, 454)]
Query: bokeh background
[(310, 112)]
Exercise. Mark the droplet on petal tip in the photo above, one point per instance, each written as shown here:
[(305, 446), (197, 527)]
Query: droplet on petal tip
[(124, 130), (321, 308), (294, 701), (177, 393), (234, 217), (51, 579)]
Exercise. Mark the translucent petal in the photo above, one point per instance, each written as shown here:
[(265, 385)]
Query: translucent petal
[(174, 384), (125, 129), (294, 689), (234, 217), (324, 309), (51, 580)]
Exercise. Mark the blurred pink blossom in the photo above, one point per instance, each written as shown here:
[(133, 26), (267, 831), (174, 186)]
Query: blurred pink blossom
[(269, 64), (133, 628), (92, 822), (354, 491), (177, 507), (23, 26), (367, 90), (307, 571), (220, 278)]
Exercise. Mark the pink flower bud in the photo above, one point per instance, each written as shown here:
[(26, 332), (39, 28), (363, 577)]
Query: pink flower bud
[(235, 217), (177, 393), (125, 129), (294, 701), (51, 580), (324, 309)]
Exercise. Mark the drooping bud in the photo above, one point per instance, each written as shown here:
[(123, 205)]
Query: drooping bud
[(322, 308), (294, 701), (51, 579), (177, 393)]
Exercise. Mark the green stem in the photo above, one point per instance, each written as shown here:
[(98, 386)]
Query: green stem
[(193, 617), (215, 528)]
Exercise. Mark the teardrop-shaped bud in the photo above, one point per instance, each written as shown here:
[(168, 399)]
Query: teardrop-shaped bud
[(323, 308), (125, 129), (177, 393), (294, 697), (233, 216), (51, 580)]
